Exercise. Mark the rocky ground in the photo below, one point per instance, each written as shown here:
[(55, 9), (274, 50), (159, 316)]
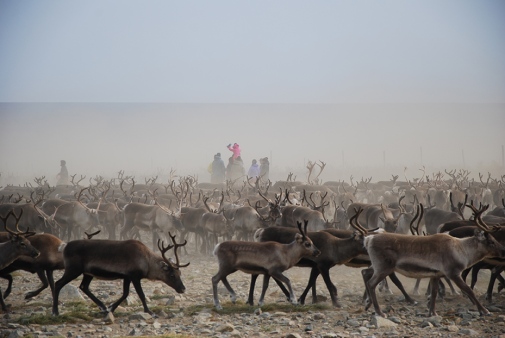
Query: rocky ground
[(192, 314)]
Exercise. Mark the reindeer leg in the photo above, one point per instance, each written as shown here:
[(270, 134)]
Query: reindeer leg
[(50, 279), (399, 285), (332, 289), (126, 291), (468, 291), (314, 273), (45, 284), (138, 287), (453, 290), (67, 277), (371, 279), (8, 277), (86, 280), (279, 276), (494, 275), (2, 303), (416, 287), (221, 276), (266, 279), (250, 299), (434, 290)]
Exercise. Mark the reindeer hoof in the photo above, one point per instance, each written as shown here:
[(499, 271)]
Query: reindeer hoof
[(485, 313), (218, 307)]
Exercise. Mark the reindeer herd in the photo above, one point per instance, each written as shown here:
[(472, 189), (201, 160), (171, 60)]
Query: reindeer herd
[(440, 227)]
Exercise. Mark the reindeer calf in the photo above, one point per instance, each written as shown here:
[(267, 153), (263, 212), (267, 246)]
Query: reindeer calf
[(267, 258)]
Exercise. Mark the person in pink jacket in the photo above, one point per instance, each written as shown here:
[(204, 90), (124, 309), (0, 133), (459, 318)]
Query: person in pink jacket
[(235, 149)]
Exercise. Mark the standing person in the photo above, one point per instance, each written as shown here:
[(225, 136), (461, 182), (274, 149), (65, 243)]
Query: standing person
[(235, 149), (235, 168), (218, 170), (264, 168), (254, 169), (62, 177)]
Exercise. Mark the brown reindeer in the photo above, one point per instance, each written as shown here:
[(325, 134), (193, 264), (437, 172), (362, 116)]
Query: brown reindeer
[(17, 245), (268, 258), (50, 259), (128, 260)]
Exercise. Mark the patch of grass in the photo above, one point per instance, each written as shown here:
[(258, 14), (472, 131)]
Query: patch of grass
[(194, 309), (76, 312), (241, 307)]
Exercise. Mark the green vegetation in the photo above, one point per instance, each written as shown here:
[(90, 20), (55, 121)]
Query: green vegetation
[(241, 307)]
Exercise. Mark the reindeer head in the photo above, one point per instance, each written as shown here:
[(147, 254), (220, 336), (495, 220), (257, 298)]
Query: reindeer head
[(171, 274)]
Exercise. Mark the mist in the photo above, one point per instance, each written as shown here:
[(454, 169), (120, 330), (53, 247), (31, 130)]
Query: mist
[(372, 89), (147, 140)]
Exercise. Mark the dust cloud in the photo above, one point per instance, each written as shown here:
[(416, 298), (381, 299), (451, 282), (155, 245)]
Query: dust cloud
[(151, 139)]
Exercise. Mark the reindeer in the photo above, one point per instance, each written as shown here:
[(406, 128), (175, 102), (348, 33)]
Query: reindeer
[(247, 220), (493, 263), (334, 251), (314, 214), (50, 259), (73, 217), (34, 217), (152, 218), (432, 256), (129, 260), (375, 216), (215, 224), (16, 245), (268, 258)]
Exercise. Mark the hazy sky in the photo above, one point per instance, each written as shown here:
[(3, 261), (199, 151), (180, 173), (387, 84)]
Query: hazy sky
[(295, 79)]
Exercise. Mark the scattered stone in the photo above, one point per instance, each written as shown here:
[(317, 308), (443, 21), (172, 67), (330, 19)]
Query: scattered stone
[(469, 332), (70, 293), (293, 335), (426, 324), (109, 318), (381, 322), (170, 300), (226, 327), (140, 316), (452, 328), (16, 334), (353, 323)]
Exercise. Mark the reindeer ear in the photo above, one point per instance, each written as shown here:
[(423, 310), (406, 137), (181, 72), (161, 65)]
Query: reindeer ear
[(298, 237)]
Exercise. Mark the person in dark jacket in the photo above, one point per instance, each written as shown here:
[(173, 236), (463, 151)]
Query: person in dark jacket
[(218, 170), (264, 169), (62, 177)]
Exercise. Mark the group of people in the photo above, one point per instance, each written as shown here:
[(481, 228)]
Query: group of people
[(235, 168)]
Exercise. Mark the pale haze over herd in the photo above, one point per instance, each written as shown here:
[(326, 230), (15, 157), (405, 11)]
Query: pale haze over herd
[(370, 88)]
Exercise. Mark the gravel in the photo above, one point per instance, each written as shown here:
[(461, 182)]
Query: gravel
[(192, 313)]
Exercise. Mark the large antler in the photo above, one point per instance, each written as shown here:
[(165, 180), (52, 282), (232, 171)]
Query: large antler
[(354, 221), (176, 246), (27, 233), (415, 229)]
